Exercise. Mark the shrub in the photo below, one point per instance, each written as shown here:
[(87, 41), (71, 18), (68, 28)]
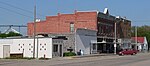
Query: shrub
[(42, 58), (69, 54)]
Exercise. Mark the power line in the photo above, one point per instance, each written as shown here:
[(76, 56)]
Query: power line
[(16, 12), (15, 7), (18, 8), (13, 26), (141, 21)]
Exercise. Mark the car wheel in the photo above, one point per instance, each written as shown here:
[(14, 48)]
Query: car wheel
[(133, 53), (121, 54)]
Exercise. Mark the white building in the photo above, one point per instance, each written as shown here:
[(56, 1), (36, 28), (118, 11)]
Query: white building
[(140, 43), (84, 40), (25, 46)]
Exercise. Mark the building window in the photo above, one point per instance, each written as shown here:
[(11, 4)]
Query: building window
[(55, 48), (58, 41), (71, 27), (94, 46)]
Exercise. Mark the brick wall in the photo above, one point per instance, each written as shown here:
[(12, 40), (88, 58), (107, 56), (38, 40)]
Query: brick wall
[(125, 29), (61, 23)]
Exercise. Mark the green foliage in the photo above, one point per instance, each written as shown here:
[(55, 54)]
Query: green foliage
[(3, 35), (42, 58), (69, 54), (10, 34), (142, 31), (28, 58)]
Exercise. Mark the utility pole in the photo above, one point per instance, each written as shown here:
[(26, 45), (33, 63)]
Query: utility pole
[(34, 28), (136, 37), (115, 45)]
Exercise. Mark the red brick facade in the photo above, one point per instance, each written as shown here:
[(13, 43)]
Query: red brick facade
[(61, 23)]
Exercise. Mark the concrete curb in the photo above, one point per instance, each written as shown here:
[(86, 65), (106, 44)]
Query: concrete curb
[(84, 56), (92, 55)]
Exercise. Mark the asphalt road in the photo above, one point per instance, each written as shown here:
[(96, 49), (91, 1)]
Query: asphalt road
[(142, 59)]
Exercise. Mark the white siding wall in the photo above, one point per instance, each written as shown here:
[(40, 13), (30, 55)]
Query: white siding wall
[(45, 48), (17, 46), (83, 40), (4, 42), (145, 44), (1, 51), (20, 44)]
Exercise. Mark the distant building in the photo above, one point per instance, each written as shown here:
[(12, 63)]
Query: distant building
[(142, 44), (11, 30)]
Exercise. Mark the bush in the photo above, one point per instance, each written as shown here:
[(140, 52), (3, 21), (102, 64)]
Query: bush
[(69, 54), (42, 58), (10, 34)]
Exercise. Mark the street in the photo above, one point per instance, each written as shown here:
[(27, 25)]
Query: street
[(141, 59)]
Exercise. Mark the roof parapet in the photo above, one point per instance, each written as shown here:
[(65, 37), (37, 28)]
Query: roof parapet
[(88, 11)]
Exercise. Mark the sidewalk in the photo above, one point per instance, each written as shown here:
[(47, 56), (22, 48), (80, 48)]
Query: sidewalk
[(84, 56), (94, 55), (66, 60)]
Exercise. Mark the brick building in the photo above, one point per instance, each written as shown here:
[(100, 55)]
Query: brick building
[(103, 23), (65, 23), (105, 33)]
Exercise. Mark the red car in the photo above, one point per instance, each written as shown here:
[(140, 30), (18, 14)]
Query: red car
[(128, 52)]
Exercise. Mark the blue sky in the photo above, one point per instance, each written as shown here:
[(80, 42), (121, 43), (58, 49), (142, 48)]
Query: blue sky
[(138, 11)]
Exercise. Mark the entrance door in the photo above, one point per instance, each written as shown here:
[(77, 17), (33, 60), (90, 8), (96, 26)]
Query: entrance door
[(57, 50), (6, 51), (100, 48), (60, 50)]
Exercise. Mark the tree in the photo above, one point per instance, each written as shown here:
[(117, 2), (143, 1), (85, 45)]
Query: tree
[(10, 34), (142, 31), (3, 35)]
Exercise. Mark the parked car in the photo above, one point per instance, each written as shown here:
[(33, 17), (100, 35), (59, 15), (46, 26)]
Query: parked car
[(128, 52)]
